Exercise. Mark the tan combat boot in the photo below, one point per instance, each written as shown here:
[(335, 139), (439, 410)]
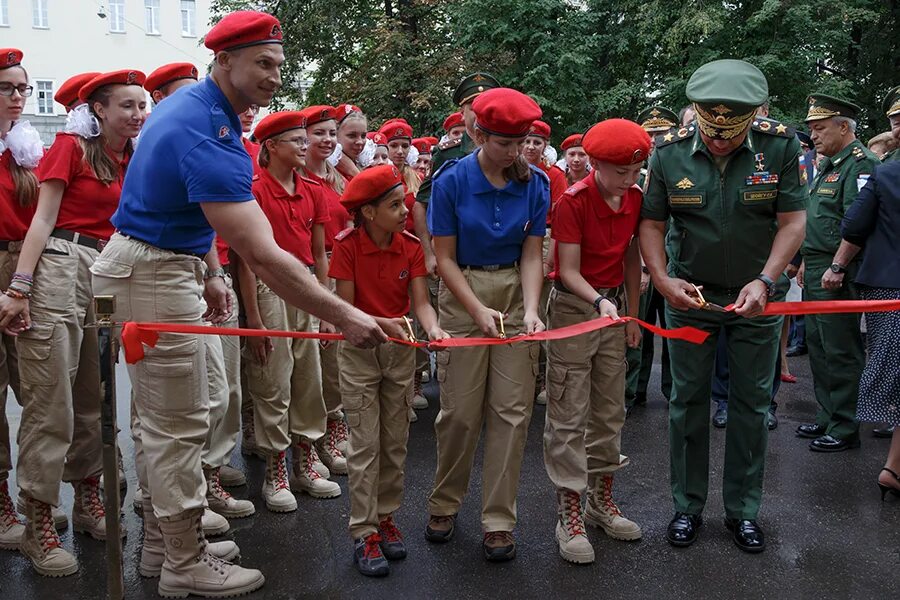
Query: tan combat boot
[(419, 401), (249, 447), (189, 568), (276, 489), (213, 523), (153, 550), (570, 533), (221, 501), (337, 433), (304, 475), (231, 477), (40, 542), (330, 454), (11, 528), (60, 519), (88, 512), (601, 511)]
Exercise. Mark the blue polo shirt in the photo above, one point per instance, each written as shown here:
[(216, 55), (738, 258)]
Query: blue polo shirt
[(190, 152), (490, 224)]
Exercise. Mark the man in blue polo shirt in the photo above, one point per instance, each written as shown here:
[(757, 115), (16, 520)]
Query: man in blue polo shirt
[(190, 178)]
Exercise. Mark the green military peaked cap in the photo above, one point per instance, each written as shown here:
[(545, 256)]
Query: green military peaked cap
[(891, 104), (657, 118), (473, 85), (823, 106), (726, 94)]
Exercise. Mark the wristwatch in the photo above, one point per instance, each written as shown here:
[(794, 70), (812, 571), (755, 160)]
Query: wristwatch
[(837, 268), (770, 283), (220, 272), (600, 299)]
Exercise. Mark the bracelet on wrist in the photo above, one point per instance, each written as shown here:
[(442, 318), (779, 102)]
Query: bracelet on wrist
[(220, 272), (17, 294)]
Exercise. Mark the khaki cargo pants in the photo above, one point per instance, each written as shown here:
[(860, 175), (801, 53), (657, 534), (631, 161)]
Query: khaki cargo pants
[(9, 365)]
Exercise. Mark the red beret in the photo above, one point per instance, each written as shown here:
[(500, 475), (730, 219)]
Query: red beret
[(67, 94), (343, 111), (166, 74), (10, 57), (571, 141), (396, 128), (540, 129), (318, 113), (123, 77), (423, 145), (243, 28), (369, 185), (277, 123), (617, 141), (454, 120), (505, 112), (431, 140), (378, 138)]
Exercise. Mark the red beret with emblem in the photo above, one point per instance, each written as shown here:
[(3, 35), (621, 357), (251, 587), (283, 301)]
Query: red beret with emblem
[(342, 111), (617, 141), (166, 74), (318, 113), (277, 123), (10, 57), (370, 185), (431, 140), (571, 142), (123, 77), (423, 145), (243, 28), (67, 94), (454, 120), (378, 138), (396, 128), (540, 129), (505, 112)]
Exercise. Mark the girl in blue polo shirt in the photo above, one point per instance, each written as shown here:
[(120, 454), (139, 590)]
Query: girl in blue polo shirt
[(487, 216)]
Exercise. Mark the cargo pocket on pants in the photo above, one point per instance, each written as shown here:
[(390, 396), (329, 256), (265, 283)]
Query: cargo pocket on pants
[(556, 382), (442, 358), (170, 381), (34, 347)]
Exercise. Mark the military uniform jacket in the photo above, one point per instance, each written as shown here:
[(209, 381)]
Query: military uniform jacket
[(722, 224), (448, 151), (835, 188)]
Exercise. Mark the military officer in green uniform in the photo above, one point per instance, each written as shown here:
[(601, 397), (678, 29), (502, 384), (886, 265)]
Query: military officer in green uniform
[(891, 107), (467, 90), (729, 186), (836, 353), (654, 120)]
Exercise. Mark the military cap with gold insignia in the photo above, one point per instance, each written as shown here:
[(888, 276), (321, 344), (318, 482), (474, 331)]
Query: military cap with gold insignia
[(822, 106), (726, 94), (473, 85), (657, 118), (891, 104)]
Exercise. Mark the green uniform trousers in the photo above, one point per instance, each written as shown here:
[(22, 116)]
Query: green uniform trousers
[(836, 354), (752, 347), (640, 359)]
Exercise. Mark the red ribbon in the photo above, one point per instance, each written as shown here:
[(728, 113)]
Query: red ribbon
[(136, 335)]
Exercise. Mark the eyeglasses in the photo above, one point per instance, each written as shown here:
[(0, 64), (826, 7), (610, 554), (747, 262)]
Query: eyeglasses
[(7, 89), (297, 141)]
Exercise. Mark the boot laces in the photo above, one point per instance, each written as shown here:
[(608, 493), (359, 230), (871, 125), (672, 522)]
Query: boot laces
[(8, 515), (606, 496), (389, 530), (47, 536), (503, 537), (310, 456), (571, 513), (332, 439), (279, 475), (342, 432), (215, 486), (372, 549), (215, 563), (417, 386), (91, 497)]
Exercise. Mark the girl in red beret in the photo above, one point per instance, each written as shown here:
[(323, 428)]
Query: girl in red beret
[(321, 129), (351, 135), (380, 157), (574, 158), (399, 143), (81, 180), (598, 275), (378, 267), (20, 152), (488, 217), (282, 375)]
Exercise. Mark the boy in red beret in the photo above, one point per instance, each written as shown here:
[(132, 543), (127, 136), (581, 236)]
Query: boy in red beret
[(423, 162), (576, 161), (455, 126), (377, 266), (598, 274), (167, 79)]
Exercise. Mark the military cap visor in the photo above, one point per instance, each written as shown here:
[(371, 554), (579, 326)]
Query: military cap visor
[(891, 104), (471, 86), (726, 94), (657, 118), (823, 106)]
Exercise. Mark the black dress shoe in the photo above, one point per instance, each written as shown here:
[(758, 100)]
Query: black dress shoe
[(747, 534), (771, 421), (828, 443), (796, 351), (684, 529), (884, 431), (720, 419), (811, 431)]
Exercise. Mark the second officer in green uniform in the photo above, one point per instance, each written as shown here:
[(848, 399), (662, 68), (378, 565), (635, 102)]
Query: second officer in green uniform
[(836, 354), (731, 185)]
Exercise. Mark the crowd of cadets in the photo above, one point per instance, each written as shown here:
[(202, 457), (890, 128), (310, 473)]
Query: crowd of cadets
[(373, 215)]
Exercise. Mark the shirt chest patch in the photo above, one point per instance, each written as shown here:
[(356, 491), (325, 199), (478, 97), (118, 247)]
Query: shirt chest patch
[(224, 132), (832, 177)]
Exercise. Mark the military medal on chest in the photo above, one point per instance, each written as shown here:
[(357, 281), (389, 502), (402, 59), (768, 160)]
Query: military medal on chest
[(832, 177), (761, 176)]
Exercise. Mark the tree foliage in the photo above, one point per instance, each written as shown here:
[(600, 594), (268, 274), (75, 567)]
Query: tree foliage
[(582, 60)]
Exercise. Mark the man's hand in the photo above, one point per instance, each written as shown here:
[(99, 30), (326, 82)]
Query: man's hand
[(791, 270), (431, 265), (533, 323), (360, 329), (832, 280), (14, 315), (632, 334), (487, 319), (752, 299), (677, 293), (218, 301), (645, 282)]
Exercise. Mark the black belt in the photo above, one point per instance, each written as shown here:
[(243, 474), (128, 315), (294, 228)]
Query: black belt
[(4, 246), (80, 239), (613, 292), (137, 239), (490, 267)]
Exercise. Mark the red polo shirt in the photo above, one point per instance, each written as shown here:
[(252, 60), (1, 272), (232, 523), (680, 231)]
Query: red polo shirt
[(558, 185), (252, 149), (14, 218), (87, 204), (292, 215), (340, 218), (410, 201), (582, 216), (380, 277)]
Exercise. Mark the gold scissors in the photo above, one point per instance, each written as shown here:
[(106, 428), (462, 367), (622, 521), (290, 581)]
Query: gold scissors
[(502, 328), (409, 329), (704, 305)]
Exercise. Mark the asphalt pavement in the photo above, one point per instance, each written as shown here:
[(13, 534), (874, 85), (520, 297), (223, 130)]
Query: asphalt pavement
[(828, 533)]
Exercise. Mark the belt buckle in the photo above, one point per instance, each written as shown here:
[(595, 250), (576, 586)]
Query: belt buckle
[(490, 268), (704, 305)]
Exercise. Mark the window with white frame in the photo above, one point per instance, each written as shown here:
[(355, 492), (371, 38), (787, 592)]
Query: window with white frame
[(117, 16), (44, 93), (151, 8), (4, 13), (39, 18), (188, 18)]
